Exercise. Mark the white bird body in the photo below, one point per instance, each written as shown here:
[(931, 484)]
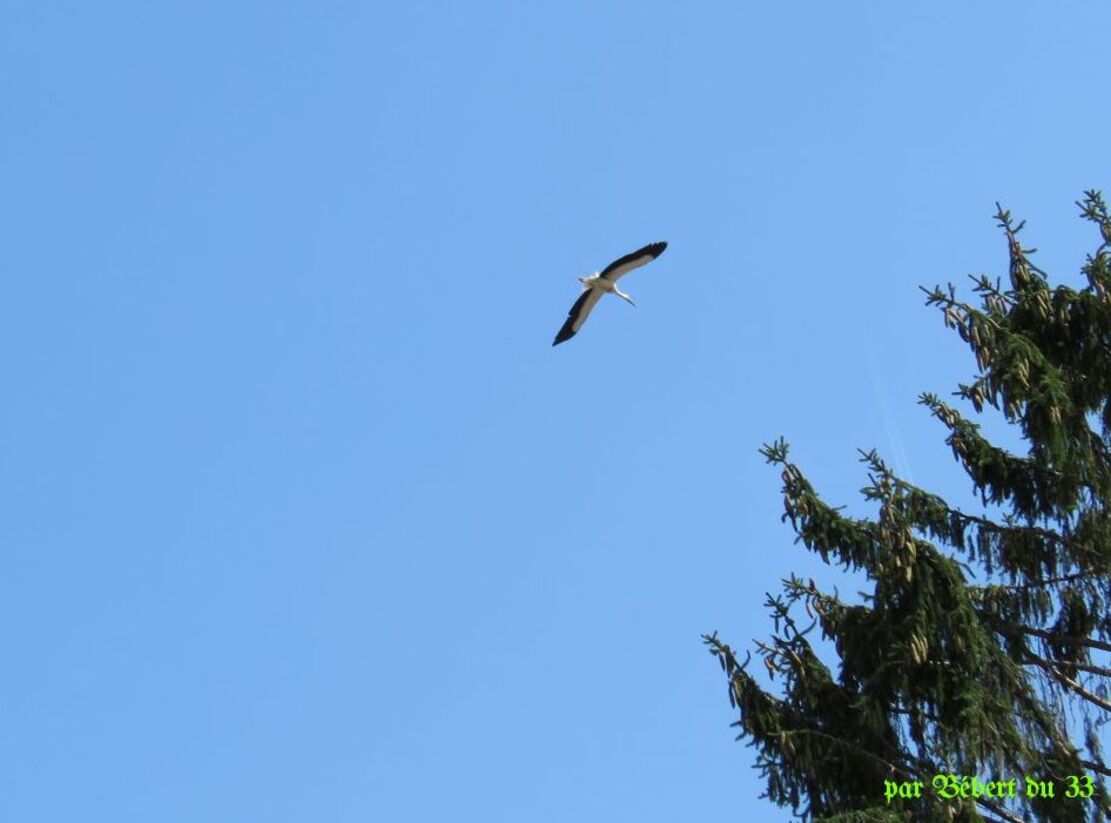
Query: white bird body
[(604, 281), (596, 281)]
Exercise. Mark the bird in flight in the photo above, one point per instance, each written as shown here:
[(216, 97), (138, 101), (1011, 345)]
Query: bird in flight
[(604, 281)]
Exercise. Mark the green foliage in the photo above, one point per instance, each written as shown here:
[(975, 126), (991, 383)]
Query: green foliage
[(938, 675)]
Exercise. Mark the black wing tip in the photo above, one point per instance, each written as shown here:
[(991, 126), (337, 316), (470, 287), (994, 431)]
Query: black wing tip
[(562, 337), (656, 249)]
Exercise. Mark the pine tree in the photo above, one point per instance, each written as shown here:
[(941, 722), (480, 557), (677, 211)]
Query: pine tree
[(941, 674)]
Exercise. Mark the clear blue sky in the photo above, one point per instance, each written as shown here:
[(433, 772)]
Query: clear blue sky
[(304, 517)]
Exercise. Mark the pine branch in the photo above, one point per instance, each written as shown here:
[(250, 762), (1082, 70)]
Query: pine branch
[(1073, 686), (1096, 767), (1085, 667), (1053, 581), (1076, 641)]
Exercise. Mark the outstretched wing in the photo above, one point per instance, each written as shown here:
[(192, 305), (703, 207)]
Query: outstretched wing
[(624, 265), (578, 314)]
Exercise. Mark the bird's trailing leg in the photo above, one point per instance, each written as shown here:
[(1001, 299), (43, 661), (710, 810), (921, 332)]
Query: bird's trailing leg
[(624, 296)]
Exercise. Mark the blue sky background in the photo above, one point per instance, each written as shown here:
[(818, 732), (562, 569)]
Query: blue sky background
[(305, 519)]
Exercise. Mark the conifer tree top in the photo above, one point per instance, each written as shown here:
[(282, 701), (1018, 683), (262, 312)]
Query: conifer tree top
[(982, 648)]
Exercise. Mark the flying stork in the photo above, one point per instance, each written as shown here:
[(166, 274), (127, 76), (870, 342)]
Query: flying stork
[(604, 281)]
